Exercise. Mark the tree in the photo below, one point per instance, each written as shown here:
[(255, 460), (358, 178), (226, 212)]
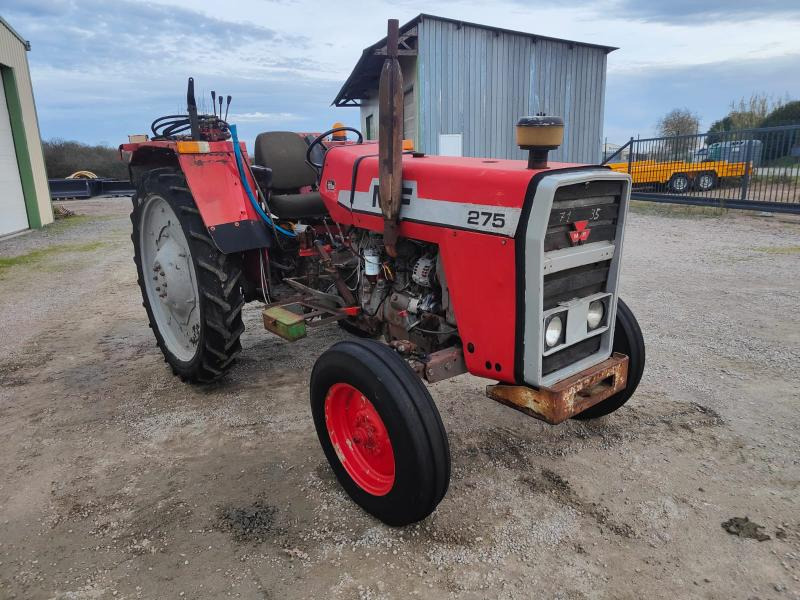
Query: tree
[(786, 114), (62, 158), (778, 144), (749, 113), (678, 122)]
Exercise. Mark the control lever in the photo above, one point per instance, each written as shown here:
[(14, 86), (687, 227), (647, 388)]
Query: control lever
[(191, 108)]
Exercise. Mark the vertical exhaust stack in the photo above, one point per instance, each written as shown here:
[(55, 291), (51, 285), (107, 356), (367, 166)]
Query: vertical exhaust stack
[(390, 139)]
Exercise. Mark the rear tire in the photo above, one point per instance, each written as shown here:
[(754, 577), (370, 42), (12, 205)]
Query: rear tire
[(628, 340), (380, 431), (204, 348)]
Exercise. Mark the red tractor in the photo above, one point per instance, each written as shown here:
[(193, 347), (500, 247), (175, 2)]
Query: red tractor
[(499, 268)]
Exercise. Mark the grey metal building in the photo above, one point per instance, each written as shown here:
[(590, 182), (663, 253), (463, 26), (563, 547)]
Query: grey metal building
[(467, 84)]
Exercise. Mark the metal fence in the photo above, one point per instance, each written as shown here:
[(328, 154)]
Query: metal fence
[(751, 169)]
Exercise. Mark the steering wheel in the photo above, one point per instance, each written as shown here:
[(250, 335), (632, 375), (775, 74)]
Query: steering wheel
[(321, 137)]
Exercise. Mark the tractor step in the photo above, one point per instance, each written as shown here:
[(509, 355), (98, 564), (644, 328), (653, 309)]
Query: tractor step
[(290, 318)]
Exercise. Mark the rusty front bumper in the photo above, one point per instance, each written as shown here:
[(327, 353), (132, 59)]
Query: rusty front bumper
[(568, 397)]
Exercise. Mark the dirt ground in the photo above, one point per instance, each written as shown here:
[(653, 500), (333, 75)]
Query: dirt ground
[(119, 481)]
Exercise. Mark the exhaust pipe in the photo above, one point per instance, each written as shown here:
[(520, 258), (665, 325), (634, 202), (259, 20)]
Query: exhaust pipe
[(390, 139)]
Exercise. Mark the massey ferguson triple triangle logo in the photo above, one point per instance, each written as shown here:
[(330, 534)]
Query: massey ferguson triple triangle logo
[(581, 232)]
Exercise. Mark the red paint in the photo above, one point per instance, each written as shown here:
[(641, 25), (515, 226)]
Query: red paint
[(213, 180), (360, 439), (479, 268)]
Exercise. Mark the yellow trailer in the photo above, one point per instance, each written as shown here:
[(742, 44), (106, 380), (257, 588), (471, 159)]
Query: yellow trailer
[(681, 176)]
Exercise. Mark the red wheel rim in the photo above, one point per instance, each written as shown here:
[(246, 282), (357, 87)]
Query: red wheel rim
[(360, 439)]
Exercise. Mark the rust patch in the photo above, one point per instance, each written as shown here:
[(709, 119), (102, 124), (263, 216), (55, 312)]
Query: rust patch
[(568, 397)]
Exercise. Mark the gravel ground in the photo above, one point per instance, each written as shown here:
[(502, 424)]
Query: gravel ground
[(119, 481)]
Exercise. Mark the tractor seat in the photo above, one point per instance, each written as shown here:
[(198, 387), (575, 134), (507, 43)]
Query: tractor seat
[(284, 152)]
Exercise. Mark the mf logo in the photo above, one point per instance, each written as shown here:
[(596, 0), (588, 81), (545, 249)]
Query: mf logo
[(580, 232), (407, 194)]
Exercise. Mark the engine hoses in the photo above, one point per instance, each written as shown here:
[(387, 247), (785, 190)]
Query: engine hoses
[(237, 152)]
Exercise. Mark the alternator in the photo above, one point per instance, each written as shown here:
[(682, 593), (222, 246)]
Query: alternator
[(424, 271)]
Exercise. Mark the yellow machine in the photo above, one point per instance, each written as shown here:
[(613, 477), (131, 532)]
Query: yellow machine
[(681, 176)]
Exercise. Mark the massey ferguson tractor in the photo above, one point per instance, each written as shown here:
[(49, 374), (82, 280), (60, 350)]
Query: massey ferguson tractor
[(500, 268)]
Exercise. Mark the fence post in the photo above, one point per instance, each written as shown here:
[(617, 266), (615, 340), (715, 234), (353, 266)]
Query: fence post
[(746, 178), (630, 154)]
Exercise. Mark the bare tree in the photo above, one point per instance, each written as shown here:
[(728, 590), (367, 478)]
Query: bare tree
[(678, 122)]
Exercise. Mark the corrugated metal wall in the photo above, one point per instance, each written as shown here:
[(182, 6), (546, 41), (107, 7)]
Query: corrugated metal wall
[(478, 82), (14, 55)]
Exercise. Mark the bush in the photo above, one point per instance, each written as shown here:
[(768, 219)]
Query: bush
[(63, 158), (781, 144)]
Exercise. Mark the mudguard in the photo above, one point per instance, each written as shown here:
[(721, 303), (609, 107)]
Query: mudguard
[(212, 177)]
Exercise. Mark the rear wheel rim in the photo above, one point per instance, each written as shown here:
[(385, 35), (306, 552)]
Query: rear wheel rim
[(360, 439), (680, 183), (169, 278)]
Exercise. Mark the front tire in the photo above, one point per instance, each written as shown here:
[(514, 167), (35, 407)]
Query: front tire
[(628, 340), (380, 431), (190, 290)]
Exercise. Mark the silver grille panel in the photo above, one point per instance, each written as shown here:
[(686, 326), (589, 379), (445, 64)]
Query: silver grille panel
[(561, 276)]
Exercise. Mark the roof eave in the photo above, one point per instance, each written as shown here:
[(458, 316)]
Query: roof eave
[(14, 32)]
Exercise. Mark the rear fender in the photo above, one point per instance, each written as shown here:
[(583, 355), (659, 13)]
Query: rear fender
[(231, 220), (213, 180)]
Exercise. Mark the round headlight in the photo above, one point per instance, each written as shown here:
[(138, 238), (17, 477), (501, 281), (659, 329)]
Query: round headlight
[(595, 314), (552, 332)]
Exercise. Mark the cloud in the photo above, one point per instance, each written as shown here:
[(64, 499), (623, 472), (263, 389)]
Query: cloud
[(703, 13), (635, 100), (102, 70), (262, 117)]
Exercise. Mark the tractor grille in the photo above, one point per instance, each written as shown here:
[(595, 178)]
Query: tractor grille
[(597, 202), (594, 201), (575, 283), (568, 256), (567, 356)]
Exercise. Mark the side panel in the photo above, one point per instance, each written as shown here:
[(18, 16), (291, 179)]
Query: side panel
[(440, 198), (480, 276)]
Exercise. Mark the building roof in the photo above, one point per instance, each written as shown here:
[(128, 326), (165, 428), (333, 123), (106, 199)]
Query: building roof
[(22, 40), (366, 73)]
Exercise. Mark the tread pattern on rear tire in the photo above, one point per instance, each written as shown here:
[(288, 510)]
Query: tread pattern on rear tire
[(412, 401), (218, 276)]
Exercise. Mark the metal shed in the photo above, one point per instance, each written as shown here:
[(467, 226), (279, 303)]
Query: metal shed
[(467, 84), (24, 196)]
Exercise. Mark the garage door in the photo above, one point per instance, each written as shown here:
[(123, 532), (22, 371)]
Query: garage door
[(12, 203)]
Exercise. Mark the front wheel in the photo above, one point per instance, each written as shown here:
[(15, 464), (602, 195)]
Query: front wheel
[(628, 340), (380, 431)]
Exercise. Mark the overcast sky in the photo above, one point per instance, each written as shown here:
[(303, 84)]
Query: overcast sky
[(103, 69)]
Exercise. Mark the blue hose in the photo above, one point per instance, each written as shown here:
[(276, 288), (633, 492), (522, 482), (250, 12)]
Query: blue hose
[(237, 152)]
